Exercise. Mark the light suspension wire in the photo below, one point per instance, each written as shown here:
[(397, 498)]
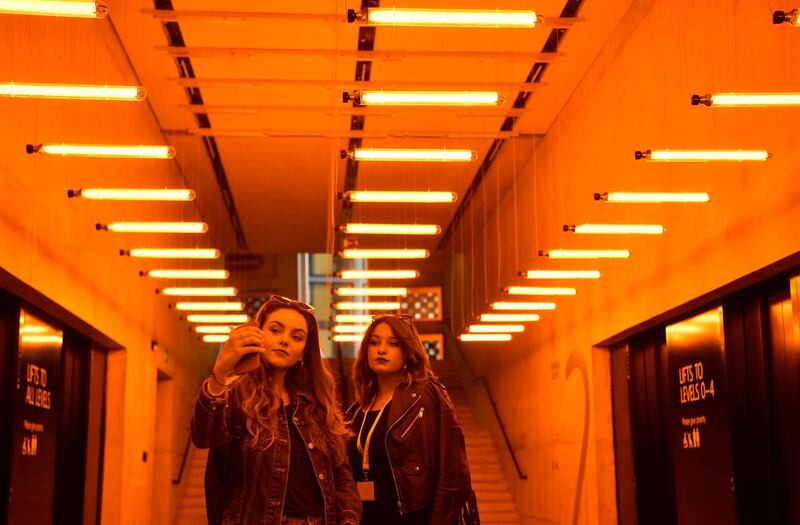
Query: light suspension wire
[(446, 17), (73, 92), (378, 274), (430, 197), (539, 290), (132, 194), (561, 274), (400, 253), (391, 229), (585, 254), (648, 198), (86, 150), (615, 229), (410, 155), (424, 98), (173, 253), (189, 274), (65, 8), (719, 155), (154, 227), (740, 100)]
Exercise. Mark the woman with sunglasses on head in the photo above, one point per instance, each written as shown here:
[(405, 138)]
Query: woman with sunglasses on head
[(268, 412), (408, 454)]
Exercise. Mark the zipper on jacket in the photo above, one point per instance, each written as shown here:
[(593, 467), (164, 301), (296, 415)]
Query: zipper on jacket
[(413, 422), (389, 456)]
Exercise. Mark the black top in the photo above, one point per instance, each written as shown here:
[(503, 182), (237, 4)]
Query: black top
[(303, 495), (383, 510)]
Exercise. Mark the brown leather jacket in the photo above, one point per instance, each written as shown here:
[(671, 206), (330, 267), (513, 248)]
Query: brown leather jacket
[(426, 450)]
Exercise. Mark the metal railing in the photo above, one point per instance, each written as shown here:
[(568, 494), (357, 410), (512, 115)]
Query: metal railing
[(482, 380)]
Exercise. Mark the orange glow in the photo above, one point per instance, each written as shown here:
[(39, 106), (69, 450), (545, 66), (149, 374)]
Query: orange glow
[(585, 254), (500, 338), (227, 291), (134, 194), (495, 328), (85, 150), (451, 17), (379, 274), (68, 91), (428, 197), (509, 318), (392, 229), (156, 227), (562, 274), (210, 307), (211, 329), (506, 305), (217, 318), (215, 338), (175, 253), (66, 8), (403, 253), (412, 155), (356, 292), (539, 290), (189, 274), (367, 305)]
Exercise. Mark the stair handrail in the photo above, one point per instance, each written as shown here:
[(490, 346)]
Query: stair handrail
[(482, 379), (177, 480)]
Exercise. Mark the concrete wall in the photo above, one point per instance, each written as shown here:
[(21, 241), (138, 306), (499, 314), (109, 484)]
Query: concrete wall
[(49, 242), (635, 96)]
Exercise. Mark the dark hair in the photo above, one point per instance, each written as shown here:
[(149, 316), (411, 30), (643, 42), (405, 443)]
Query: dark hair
[(261, 400), (417, 364)]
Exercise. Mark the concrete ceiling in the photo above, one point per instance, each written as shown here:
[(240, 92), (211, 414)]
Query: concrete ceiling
[(276, 116)]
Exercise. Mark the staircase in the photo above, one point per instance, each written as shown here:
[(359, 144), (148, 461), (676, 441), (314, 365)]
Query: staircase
[(495, 504), (193, 504)]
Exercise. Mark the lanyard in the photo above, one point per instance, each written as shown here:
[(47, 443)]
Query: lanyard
[(365, 449)]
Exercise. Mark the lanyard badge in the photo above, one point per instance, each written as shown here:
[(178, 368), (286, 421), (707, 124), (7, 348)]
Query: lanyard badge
[(366, 488)]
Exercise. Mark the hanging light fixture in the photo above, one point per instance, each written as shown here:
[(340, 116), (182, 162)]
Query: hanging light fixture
[(213, 329), (85, 150), (509, 318), (410, 155), (742, 100), (538, 290), (232, 306), (132, 194), (350, 328), (400, 253), (445, 17), (154, 227), (225, 291), (217, 318), (619, 196), (215, 338), (495, 328), (422, 197), (367, 305), (711, 155), (424, 98), (347, 338), (352, 291), (352, 318), (615, 229), (391, 229), (378, 274), (561, 274), (511, 305), (173, 253), (189, 274), (786, 17), (500, 338), (66, 8), (585, 254), (73, 92)]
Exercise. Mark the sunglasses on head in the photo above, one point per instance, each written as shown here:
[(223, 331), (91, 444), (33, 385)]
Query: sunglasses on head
[(406, 318), (279, 299)]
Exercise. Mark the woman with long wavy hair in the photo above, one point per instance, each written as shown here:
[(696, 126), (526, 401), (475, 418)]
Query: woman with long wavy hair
[(268, 413), (408, 454)]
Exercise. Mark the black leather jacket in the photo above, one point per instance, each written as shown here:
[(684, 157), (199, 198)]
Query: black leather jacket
[(426, 451), (247, 485)]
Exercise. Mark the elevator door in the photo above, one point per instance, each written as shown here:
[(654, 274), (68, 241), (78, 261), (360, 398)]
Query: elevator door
[(786, 400)]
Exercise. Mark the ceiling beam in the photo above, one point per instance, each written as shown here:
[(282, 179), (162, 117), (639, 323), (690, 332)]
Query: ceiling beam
[(352, 84), (346, 110), (215, 51), (336, 134)]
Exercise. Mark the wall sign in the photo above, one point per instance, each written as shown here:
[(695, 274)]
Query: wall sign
[(33, 457), (700, 420)]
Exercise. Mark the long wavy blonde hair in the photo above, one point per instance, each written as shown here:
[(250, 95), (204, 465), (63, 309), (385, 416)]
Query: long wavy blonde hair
[(261, 399)]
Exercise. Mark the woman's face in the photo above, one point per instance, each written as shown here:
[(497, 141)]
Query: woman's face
[(285, 334), (384, 353)]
